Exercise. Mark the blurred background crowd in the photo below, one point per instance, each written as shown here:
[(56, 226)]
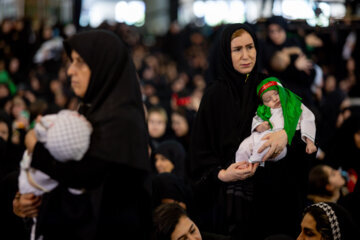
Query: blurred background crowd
[(317, 58)]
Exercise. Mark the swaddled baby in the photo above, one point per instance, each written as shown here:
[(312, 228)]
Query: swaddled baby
[(66, 135)]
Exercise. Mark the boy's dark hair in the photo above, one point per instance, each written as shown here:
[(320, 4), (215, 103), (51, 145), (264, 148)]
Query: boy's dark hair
[(165, 218), (318, 179)]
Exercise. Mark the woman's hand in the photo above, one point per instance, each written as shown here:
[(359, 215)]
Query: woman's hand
[(276, 141), (26, 205), (30, 140), (237, 171), (303, 64)]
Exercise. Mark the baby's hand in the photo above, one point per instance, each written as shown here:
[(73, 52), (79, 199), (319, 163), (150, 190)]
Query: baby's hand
[(310, 147), (242, 165), (263, 127)]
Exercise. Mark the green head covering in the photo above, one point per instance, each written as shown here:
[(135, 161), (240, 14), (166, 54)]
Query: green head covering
[(5, 79), (290, 104)]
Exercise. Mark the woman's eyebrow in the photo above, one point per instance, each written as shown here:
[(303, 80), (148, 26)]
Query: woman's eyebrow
[(183, 236), (191, 227)]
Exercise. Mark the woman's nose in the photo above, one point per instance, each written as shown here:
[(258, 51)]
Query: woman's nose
[(70, 70), (300, 237), (245, 54)]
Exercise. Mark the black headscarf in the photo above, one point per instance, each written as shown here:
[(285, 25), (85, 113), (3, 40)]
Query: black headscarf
[(342, 147), (340, 223), (279, 20), (175, 152), (226, 111), (168, 185), (226, 71), (112, 102)]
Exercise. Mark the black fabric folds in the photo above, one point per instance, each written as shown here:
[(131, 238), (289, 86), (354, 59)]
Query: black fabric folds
[(112, 99), (223, 120), (271, 201), (225, 114), (175, 152), (170, 186)]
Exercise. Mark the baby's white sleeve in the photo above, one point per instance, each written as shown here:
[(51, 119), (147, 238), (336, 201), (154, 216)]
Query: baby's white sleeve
[(256, 122), (34, 181), (307, 124)]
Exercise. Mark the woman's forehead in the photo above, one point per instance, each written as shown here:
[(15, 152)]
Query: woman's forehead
[(244, 39)]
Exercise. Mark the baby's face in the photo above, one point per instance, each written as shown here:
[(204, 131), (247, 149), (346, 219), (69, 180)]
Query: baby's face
[(271, 99)]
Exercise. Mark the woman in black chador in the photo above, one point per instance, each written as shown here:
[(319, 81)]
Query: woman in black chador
[(114, 201), (242, 199)]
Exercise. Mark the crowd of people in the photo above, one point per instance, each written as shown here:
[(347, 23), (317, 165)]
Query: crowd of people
[(165, 156)]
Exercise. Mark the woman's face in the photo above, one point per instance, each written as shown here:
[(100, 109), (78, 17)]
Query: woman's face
[(277, 34), (156, 124), (4, 91), (163, 164), (243, 53), (186, 229), (179, 124), (19, 106), (308, 229), (80, 74)]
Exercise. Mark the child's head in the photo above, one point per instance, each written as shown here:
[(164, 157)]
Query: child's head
[(66, 135), (279, 61), (271, 99), (268, 91), (324, 180), (179, 123), (172, 222), (169, 157), (157, 120)]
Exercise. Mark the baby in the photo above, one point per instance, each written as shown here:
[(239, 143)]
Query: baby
[(281, 109), (66, 136)]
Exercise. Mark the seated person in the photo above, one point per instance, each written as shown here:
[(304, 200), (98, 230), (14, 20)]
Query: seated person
[(171, 222), (325, 220), (325, 184)]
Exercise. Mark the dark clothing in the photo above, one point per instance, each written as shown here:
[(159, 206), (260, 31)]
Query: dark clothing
[(351, 203), (112, 102), (329, 111), (114, 170), (115, 201), (170, 186), (222, 123), (342, 149), (297, 81), (175, 153), (11, 226)]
